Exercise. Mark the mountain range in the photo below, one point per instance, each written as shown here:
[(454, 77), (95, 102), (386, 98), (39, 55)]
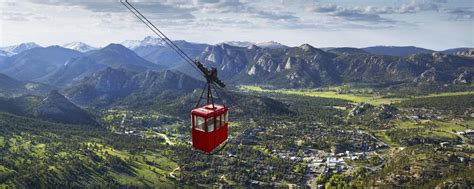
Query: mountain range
[(149, 74), (237, 62), (35, 63), (157, 42), (306, 66), (60, 67)]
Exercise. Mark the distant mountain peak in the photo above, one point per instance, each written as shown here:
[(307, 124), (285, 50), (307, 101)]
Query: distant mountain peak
[(253, 47), (224, 45), (28, 45), (271, 45), (78, 46), (152, 41), (114, 45), (238, 43), (396, 50), (147, 41), (246, 44), (306, 47), (16, 49), (117, 56), (55, 96), (116, 48), (56, 107)]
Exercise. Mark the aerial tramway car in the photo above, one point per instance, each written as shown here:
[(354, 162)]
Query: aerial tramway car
[(210, 127), (210, 122)]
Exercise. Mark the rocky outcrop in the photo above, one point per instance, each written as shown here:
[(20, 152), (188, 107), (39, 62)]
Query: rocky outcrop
[(463, 78)]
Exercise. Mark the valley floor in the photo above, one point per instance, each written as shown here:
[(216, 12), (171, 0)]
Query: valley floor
[(329, 138)]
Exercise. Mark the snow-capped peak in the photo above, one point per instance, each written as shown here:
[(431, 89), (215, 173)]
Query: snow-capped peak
[(306, 47), (15, 49), (78, 46), (151, 41), (238, 43), (131, 44), (271, 45), (147, 41)]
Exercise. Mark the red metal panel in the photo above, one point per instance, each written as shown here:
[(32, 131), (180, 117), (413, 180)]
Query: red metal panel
[(203, 140), (222, 134), (208, 141), (197, 139)]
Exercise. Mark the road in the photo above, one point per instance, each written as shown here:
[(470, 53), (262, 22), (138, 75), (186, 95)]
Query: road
[(375, 138), (123, 120), (172, 172), (167, 140)]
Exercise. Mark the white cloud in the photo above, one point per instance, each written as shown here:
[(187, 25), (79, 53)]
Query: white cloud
[(100, 22), (370, 13), (461, 13)]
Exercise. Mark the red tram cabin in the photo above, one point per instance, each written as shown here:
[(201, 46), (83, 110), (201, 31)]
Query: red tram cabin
[(209, 126)]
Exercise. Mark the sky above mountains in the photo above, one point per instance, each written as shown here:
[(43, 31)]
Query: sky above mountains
[(434, 24)]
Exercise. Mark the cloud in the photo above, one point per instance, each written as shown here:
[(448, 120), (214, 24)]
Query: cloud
[(219, 5), (274, 15), (95, 6), (240, 7), (18, 16), (367, 14), (415, 7), (223, 22), (461, 13), (163, 10), (373, 13), (9, 12), (179, 9), (253, 14), (355, 15)]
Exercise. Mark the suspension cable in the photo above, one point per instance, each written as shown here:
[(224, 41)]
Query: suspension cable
[(160, 34), (164, 36)]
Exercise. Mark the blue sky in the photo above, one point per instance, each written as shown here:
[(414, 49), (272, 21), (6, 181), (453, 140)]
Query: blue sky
[(435, 24)]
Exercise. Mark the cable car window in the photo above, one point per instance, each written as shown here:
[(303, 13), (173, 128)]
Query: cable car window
[(210, 124), (199, 123), (226, 117), (223, 119), (218, 122)]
